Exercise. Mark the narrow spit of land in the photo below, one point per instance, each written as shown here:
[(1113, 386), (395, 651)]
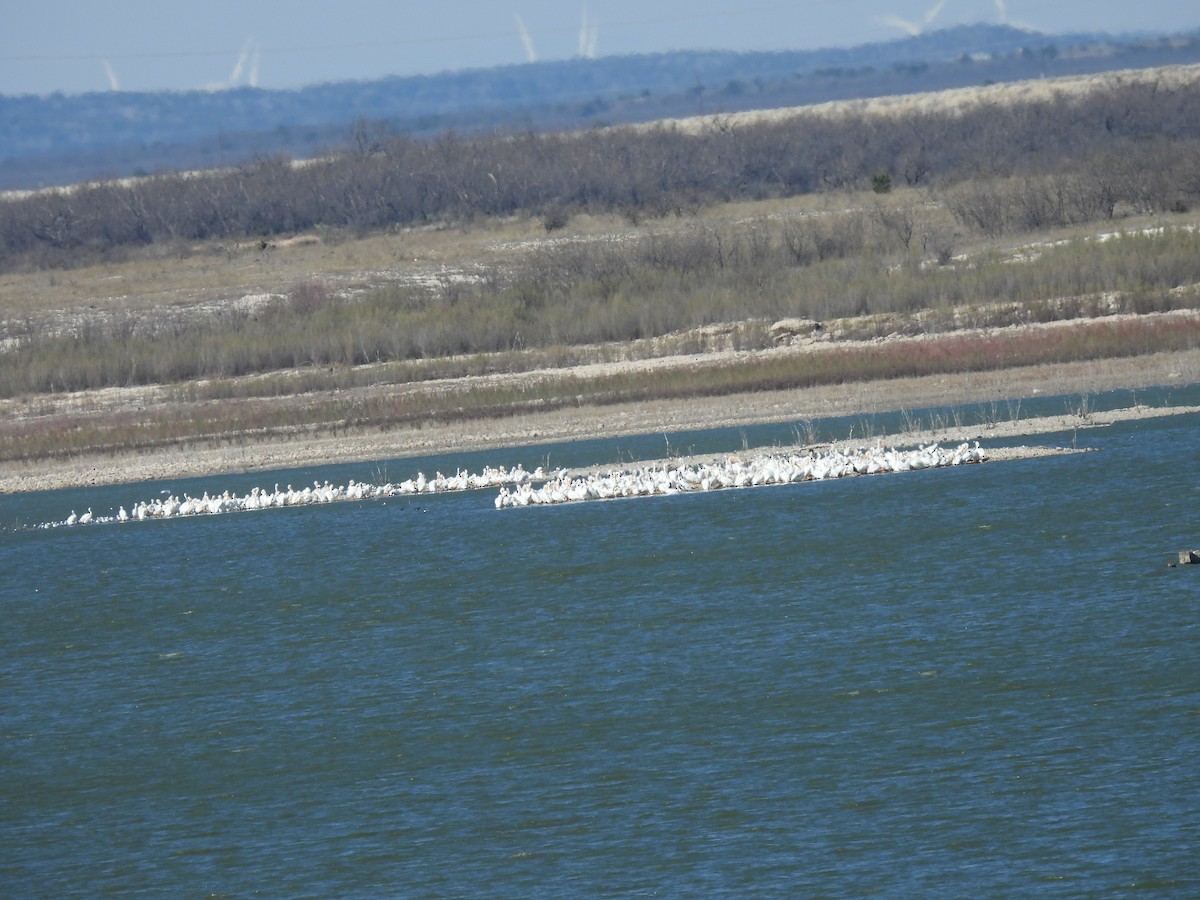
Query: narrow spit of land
[(867, 398)]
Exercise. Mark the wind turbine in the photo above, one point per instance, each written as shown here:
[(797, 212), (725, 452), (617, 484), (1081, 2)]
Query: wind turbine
[(236, 74), (1003, 19), (526, 39), (589, 33), (915, 28), (252, 77), (113, 85), (249, 54)]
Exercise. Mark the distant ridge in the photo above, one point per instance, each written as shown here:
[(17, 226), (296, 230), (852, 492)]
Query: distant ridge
[(59, 139)]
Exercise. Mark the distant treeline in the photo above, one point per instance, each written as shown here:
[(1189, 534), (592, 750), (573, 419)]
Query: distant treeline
[(1126, 145), (63, 139)]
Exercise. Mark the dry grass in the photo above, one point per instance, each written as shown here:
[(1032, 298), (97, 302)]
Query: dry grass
[(568, 300), (203, 277), (203, 274)]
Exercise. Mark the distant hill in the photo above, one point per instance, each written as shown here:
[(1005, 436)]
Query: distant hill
[(60, 139)]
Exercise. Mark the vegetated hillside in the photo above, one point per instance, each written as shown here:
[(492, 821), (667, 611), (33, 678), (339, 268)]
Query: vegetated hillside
[(485, 254), (1130, 143), (65, 139)]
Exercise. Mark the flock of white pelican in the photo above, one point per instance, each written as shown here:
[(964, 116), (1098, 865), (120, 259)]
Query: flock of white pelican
[(771, 468), (172, 506), (521, 487)]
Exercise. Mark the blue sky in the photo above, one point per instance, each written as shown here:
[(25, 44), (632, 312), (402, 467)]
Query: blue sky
[(84, 45)]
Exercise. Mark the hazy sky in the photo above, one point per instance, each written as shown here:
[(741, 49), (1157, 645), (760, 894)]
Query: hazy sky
[(86, 45)]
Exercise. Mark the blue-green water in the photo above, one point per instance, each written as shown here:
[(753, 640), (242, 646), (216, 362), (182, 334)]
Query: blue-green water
[(981, 680)]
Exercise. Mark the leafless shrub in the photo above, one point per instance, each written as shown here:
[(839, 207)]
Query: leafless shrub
[(307, 297), (555, 217), (898, 221), (940, 240)]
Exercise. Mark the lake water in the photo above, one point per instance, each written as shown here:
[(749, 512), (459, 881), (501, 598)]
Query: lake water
[(982, 680)]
